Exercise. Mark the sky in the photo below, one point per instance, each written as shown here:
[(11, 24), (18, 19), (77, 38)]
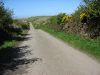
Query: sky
[(28, 8)]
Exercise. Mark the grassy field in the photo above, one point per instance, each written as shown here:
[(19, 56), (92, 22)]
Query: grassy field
[(89, 46), (38, 18)]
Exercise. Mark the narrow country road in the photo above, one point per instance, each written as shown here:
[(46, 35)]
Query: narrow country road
[(53, 57)]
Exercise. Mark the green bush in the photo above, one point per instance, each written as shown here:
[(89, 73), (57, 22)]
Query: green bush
[(5, 22), (21, 23), (59, 20), (56, 22)]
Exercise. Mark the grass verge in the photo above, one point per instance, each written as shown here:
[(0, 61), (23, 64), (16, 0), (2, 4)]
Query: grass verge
[(12, 43), (8, 44), (89, 46)]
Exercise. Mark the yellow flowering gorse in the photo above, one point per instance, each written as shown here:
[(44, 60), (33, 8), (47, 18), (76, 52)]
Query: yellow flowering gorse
[(83, 15), (67, 19)]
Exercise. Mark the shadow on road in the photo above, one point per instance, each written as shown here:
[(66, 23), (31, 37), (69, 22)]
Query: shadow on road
[(10, 58)]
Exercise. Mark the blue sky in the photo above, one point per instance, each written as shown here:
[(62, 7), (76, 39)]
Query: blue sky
[(27, 8)]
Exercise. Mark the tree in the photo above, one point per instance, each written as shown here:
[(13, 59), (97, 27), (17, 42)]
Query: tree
[(5, 21), (93, 10)]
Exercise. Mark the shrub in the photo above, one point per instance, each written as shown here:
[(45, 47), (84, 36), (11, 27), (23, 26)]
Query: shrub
[(5, 21), (21, 23), (84, 17), (67, 19)]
